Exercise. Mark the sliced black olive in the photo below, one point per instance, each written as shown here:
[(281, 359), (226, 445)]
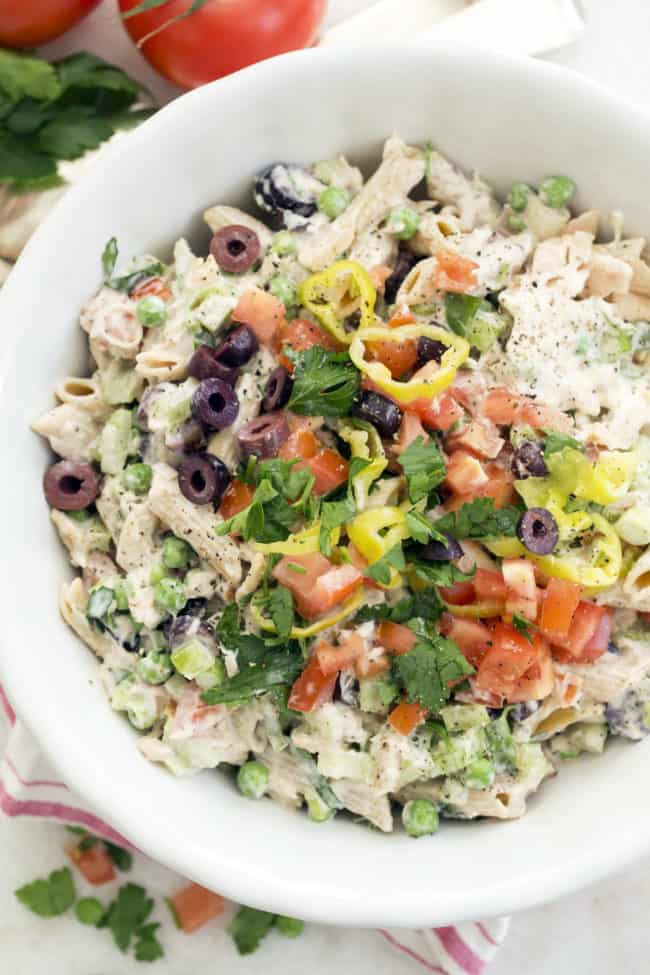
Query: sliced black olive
[(437, 552), (528, 460), (205, 365), (235, 248), (238, 347), (263, 436), (215, 404), (429, 349), (538, 531), (404, 263), (278, 390), (286, 188), (70, 485), (384, 415), (203, 478), (186, 627)]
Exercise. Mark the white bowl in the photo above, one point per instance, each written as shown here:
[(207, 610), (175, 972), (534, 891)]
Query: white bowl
[(510, 119)]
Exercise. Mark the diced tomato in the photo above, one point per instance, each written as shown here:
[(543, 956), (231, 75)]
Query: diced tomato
[(438, 413), (401, 318), (321, 586), (539, 679), (194, 906), (262, 312), (521, 590), (151, 286), (301, 445), (301, 334), (458, 594), (411, 428), (313, 688), (93, 863), (473, 638), (589, 633), (333, 659), (398, 357), (559, 604), (237, 496), (379, 275), (368, 666), (506, 660), (395, 637), (500, 486), (480, 437), (453, 272), (405, 718), (489, 585), (329, 469), (465, 474), (504, 407)]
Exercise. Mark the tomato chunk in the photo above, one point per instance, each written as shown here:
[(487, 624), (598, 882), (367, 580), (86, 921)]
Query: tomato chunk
[(472, 637), (329, 469), (458, 594), (506, 660), (93, 863), (438, 413), (313, 688), (489, 585), (454, 272), (465, 474), (368, 666), (395, 637), (321, 586), (333, 659), (405, 718), (504, 407), (151, 286), (237, 496), (398, 357), (300, 334), (194, 906), (539, 679), (301, 445), (559, 604), (410, 429), (262, 312), (480, 437), (589, 633)]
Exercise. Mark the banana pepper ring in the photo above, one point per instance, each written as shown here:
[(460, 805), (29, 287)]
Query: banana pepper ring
[(351, 605), (337, 292), (300, 543), (414, 389)]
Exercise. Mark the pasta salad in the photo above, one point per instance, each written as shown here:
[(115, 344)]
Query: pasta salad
[(360, 499)]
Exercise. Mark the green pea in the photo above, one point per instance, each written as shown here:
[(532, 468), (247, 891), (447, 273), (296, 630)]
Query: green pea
[(556, 191), (333, 201), (420, 817), (403, 223), (290, 927), (89, 910), (318, 810), (169, 595), (155, 668), (252, 779), (516, 223), (176, 553), (479, 775), (100, 602), (157, 573), (81, 515), (518, 196), (284, 244), (283, 288), (137, 478), (151, 311)]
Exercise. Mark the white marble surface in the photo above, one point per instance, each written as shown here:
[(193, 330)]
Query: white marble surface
[(600, 931)]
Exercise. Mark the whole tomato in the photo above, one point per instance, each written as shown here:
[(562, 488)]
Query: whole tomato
[(221, 36), (27, 23)]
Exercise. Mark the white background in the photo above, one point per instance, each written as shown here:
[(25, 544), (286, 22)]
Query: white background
[(601, 931)]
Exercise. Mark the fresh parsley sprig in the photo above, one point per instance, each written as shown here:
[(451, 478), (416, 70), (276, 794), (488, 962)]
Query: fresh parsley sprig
[(428, 670), (424, 468), (480, 519), (324, 383)]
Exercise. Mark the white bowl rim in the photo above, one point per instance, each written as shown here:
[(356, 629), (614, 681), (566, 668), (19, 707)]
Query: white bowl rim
[(245, 882)]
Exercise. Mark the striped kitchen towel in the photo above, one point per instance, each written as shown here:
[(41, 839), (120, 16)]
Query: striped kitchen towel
[(29, 787)]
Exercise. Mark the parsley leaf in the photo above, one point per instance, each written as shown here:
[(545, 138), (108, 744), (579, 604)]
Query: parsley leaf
[(268, 518), (255, 678), (324, 383), (332, 515), (49, 897), (460, 311), (427, 669), (84, 72), (280, 607), (249, 649), (122, 859), (523, 626), (424, 467), (425, 605), (421, 528), (439, 573), (480, 519), (380, 570), (248, 927), (127, 282), (127, 913), (72, 132), (21, 75), (559, 441), (19, 161), (147, 946), (109, 258)]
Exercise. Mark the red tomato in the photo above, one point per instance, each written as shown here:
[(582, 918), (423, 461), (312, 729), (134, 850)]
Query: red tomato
[(372, 666), (301, 334), (223, 36), (237, 496), (499, 486), (395, 637), (506, 660), (406, 717), (312, 688), (480, 437), (472, 637), (333, 659), (505, 407), (453, 272), (398, 357), (410, 429), (94, 863), (301, 445), (27, 23), (465, 474), (152, 286), (321, 586), (559, 604), (538, 680), (489, 585), (329, 469), (588, 635), (439, 413), (262, 312), (194, 906), (460, 594)]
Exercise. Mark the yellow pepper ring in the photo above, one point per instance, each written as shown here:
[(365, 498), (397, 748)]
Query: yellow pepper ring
[(318, 294), (407, 392), (351, 605)]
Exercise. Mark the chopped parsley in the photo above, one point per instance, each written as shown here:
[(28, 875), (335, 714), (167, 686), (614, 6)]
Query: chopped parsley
[(126, 915), (279, 604), (460, 311), (424, 605), (333, 514), (248, 927), (427, 670), (380, 570), (254, 678), (324, 383), (480, 519), (424, 468), (51, 896), (523, 626), (268, 518), (250, 649), (439, 573), (421, 529), (560, 441)]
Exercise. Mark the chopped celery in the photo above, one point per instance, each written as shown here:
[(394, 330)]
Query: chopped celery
[(117, 441), (460, 717), (377, 693), (192, 658)]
